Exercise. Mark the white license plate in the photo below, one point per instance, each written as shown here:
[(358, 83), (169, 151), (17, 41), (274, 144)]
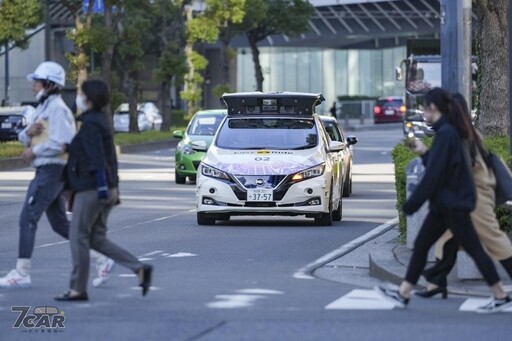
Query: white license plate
[(6, 125), (389, 112), (260, 194)]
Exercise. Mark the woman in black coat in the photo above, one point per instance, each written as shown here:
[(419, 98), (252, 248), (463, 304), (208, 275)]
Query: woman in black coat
[(448, 185), (92, 177)]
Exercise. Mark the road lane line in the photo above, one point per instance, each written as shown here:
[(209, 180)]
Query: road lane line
[(307, 271)]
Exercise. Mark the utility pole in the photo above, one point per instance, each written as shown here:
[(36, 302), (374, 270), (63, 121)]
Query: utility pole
[(47, 31), (456, 46), (7, 85)]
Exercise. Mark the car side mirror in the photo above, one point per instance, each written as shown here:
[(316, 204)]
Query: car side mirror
[(398, 74), (351, 140), (200, 146), (336, 146), (177, 134)]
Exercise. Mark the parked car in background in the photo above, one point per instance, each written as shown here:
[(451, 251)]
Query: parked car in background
[(122, 121), (149, 109), (271, 156), (335, 133), (194, 143), (13, 120), (389, 109)]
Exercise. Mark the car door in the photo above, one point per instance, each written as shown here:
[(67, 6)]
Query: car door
[(336, 157)]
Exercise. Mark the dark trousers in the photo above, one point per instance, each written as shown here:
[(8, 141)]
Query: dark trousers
[(437, 274), (459, 222), (44, 194)]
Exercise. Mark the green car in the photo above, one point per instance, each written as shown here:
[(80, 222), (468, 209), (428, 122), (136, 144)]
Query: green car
[(194, 143)]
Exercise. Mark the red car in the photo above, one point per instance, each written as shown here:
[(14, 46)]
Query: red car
[(389, 109)]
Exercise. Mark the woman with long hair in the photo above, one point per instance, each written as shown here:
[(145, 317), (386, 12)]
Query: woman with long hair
[(495, 242), (449, 186)]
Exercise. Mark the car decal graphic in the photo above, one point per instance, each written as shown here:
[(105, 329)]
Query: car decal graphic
[(273, 166)]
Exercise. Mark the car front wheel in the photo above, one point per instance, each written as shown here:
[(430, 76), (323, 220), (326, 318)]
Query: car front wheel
[(180, 180), (205, 219)]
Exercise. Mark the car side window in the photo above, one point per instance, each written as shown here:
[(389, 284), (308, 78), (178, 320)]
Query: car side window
[(333, 132)]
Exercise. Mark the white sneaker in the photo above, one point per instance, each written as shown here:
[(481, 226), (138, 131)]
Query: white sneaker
[(104, 268), (15, 280)]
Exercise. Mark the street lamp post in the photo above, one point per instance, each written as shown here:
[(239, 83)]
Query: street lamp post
[(6, 56)]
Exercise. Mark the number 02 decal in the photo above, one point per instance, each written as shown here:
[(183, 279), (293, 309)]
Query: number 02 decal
[(262, 158)]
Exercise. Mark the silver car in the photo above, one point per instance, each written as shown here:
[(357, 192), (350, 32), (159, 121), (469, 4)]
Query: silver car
[(122, 121)]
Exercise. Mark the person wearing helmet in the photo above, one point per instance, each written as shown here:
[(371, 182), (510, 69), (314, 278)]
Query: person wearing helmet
[(53, 126)]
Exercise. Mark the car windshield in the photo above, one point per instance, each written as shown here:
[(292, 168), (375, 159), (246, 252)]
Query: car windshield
[(422, 77), (389, 103), (268, 133), (204, 125)]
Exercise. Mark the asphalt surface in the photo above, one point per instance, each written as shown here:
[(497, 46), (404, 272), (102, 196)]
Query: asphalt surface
[(231, 281)]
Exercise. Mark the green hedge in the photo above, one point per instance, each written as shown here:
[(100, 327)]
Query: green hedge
[(402, 156), (11, 149)]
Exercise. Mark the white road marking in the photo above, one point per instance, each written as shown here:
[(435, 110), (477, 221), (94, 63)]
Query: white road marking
[(153, 253), (471, 304), (165, 254), (360, 299), (234, 301), (145, 259), (182, 254), (304, 273), (150, 288), (127, 275), (260, 292)]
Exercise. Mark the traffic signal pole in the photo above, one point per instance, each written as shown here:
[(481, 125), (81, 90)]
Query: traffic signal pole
[(456, 46)]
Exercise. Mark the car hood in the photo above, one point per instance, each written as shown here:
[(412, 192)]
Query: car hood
[(263, 162), (190, 139)]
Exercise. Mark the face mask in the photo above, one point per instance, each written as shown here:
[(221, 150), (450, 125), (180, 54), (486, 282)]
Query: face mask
[(39, 94), (80, 103)]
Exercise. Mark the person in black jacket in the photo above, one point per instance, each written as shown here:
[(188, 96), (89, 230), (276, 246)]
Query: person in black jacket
[(92, 177), (449, 186)]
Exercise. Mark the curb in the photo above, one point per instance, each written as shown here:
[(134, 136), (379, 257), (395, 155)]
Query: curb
[(16, 162), (307, 272)]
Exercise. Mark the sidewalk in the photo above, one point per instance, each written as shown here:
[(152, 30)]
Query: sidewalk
[(384, 258)]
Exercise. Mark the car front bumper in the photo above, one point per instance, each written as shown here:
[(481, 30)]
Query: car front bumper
[(307, 197), (187, 164)]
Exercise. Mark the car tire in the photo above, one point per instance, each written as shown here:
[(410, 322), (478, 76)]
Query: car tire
[(325, 219), (192, 178), (347, 184), (337, 214), (205, 219), (224, 217), (180, 180)]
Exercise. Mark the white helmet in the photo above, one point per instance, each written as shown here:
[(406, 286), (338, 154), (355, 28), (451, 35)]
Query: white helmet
[(49, 71)]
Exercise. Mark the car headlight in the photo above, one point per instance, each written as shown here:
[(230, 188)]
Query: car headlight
[(309, 173), (186, 149), (214, 172)]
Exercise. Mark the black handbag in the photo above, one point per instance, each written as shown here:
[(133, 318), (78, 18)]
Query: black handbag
[(503, 179)]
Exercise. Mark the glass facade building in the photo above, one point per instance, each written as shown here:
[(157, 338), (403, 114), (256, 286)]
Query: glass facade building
[(331, 72)]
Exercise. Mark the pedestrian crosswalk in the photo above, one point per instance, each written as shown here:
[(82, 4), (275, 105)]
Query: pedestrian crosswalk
[(364, 299)]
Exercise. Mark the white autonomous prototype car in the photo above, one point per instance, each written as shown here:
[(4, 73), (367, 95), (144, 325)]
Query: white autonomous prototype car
[(271, 156)]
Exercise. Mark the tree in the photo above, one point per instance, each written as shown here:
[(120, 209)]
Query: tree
[(492, 49), (17, 16), (130, 53), (267, 17), (172, 60), (81, 37)]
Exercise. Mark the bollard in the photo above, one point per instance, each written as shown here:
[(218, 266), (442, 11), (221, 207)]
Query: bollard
[(414, 172)]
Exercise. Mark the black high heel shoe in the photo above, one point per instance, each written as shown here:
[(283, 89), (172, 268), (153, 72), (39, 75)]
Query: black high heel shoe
[(430, 293)]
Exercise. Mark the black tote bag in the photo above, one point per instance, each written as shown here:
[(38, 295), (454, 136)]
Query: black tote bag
[(503, 179)]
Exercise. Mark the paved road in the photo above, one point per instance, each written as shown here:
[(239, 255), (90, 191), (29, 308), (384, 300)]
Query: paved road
[(232, 281)]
